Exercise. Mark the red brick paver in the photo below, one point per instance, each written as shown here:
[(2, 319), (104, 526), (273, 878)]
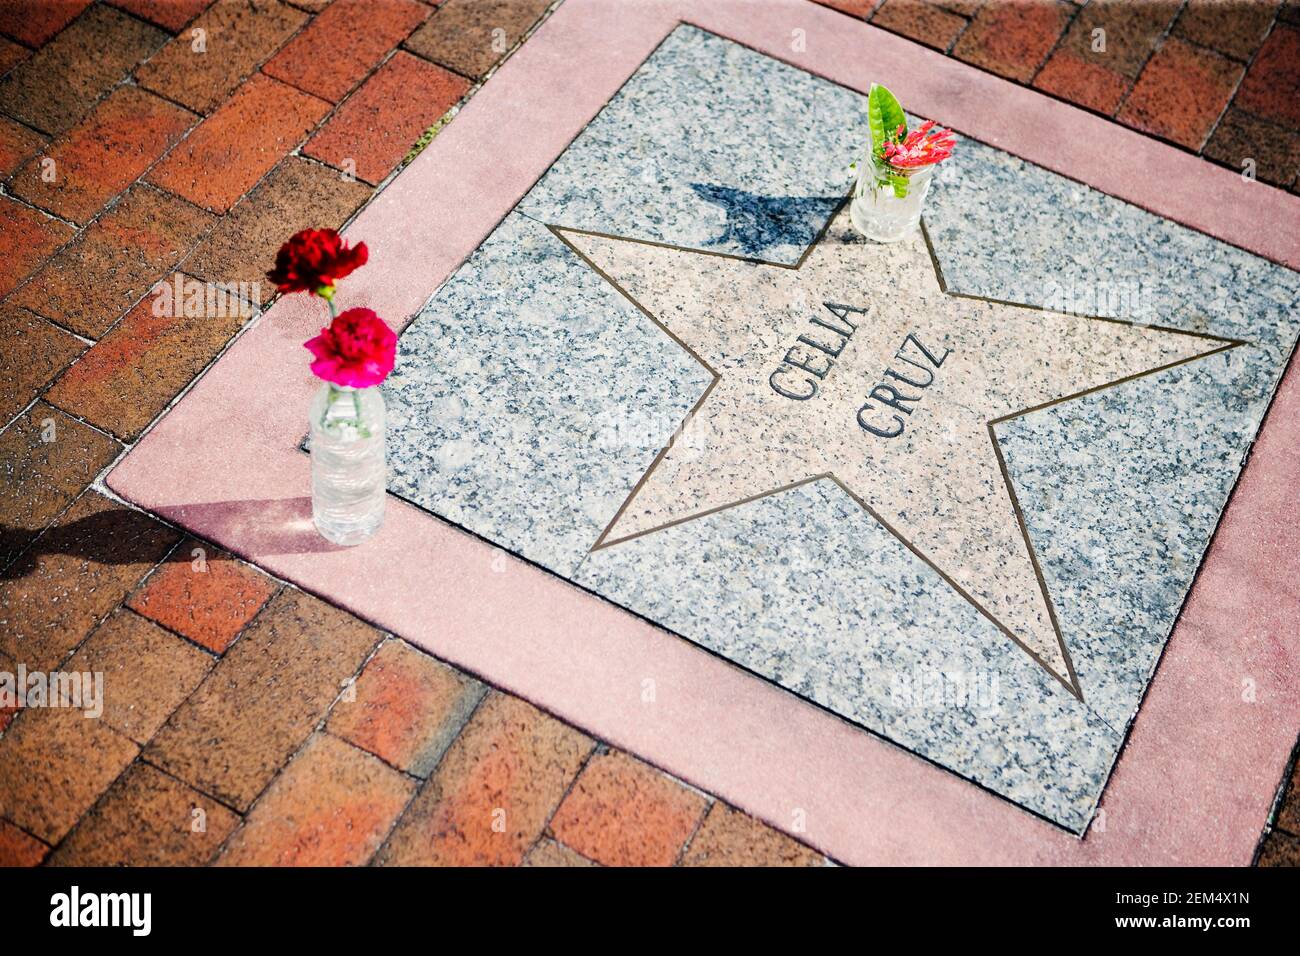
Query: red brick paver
[(18, 848), (169, 14), (11, 54), (470, 36), (103, 154), (728, 837), (344, 44), (1279, 849), (17, 145), (263, 699), (1272, 86), (112, 264), (148, 819), (27, 237), (1181, 93), (147, 672), (493, 791), (623, 812), (35, 22), (127, 378), (1274, 149), (235, 36), (332, 806), (407, 708), (1083, 81), (205, 594), (548, 853), (219, 162), (376, 127), (1233, 27), (921, 21), (32, 353)]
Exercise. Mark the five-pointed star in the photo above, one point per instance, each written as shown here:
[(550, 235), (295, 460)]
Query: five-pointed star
[(856, 366)]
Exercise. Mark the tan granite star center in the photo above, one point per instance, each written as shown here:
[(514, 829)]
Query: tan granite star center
[(856, 366)]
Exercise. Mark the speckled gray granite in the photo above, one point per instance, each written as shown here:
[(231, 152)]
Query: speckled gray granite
[(530, 398), (1123, 489)]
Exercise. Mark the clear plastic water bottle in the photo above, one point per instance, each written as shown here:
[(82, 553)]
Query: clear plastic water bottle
[(349, 471)]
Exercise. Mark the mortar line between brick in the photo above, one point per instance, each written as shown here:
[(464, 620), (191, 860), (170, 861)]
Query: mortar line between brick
[(73, 332), (48, 137), (127, 609), (317, 728), (143, 758), (969, 19), (158, 26), (1056, 44), (112, 204), (709, 804), (1156, 46), (415, 794), (599, 747), (22, 829), (254, 71), (1237, 89)]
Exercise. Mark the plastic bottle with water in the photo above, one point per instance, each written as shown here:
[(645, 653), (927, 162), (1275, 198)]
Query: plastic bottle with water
[(349, 471)]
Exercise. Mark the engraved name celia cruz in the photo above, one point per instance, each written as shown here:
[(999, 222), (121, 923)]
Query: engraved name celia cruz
[(920, 376), (807, 363)]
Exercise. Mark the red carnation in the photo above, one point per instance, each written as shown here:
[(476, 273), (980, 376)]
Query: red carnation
[(313, 260), (357, 349)]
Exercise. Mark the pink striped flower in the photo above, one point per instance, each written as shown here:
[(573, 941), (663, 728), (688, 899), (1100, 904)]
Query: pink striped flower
[(924, 146)]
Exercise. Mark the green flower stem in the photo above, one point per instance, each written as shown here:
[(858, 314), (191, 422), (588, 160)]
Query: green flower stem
[(355, 422), (329, 403), (326, 292)]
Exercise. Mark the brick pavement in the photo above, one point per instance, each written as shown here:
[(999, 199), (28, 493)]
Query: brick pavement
[(177, 140), (1219, 78)]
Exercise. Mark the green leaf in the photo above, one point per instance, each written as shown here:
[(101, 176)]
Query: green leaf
[(884, 116)]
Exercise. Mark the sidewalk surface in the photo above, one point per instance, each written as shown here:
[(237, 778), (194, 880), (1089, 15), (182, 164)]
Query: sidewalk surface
[(239, 733)]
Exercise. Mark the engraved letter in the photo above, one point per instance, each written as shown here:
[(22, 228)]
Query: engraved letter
[(888, 395), (936, 362), (812, 387), (841, 312), (867, 426)]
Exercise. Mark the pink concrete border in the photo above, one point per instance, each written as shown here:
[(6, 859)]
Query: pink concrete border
[(1196, 778)]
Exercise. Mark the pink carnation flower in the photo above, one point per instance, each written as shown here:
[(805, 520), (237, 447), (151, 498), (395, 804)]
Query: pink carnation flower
[(357, 349)]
